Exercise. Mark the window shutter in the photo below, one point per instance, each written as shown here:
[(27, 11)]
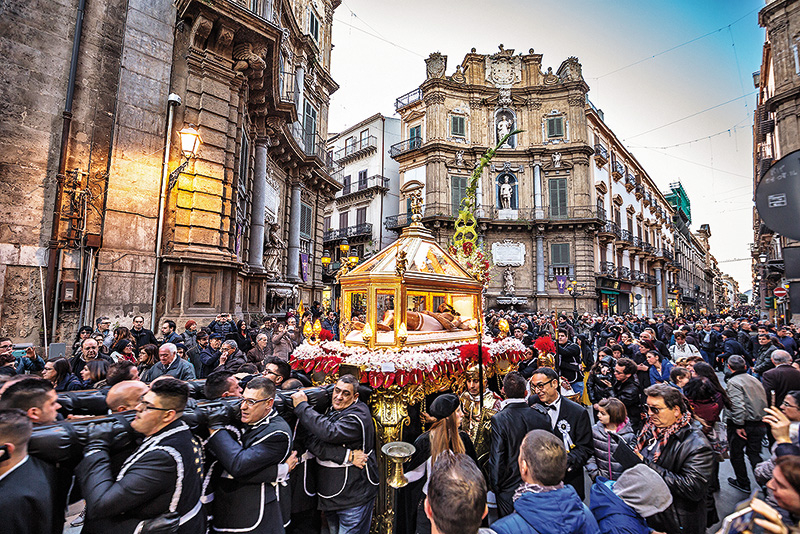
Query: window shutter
[(555, 127), (558, 197), (306, 222), (457, 128), (459, 189), (361, 215), (559, 253), (344, 220)]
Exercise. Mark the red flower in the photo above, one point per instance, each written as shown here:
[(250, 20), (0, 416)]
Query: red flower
[(469, 265), (468, 247)]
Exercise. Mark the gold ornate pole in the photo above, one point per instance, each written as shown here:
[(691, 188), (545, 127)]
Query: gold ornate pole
[(390, 410)]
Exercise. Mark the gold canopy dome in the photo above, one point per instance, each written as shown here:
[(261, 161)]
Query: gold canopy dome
[(414, 270)]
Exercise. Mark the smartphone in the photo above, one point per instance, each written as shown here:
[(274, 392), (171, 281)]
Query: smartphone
[(741, 520), (19, 353)]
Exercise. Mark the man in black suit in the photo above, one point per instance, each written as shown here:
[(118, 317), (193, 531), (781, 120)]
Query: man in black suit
[(782, 379), (570, 422), (245, 498), (27, 484), (509, 426)]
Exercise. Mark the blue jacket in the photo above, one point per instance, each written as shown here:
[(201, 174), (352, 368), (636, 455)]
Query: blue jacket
[(555, 512), (33, 365), (612, 514), (655, 377)]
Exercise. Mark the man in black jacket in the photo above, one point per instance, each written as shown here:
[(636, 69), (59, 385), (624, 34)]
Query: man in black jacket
[(730, 346), (346, 492), (569, 421), (627, 390), (160, 482), (27, 484), (569, 361), (509, 427), (209, 356), (142, 335), (245, 491)]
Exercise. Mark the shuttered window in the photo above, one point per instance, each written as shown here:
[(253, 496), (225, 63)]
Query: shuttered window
[(559, 254), (458, 126), (306, 220), (555, 127), (558, 197), (459, 191)]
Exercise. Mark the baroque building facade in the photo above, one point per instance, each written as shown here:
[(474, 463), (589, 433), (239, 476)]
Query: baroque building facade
[(91, 128), (776, 133), (635, 261), (536, 202)]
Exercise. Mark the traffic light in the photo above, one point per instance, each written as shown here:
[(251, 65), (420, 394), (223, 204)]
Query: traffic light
[(769, 302)]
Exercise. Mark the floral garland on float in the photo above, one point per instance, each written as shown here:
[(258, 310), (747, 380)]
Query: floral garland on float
[(407, 366)]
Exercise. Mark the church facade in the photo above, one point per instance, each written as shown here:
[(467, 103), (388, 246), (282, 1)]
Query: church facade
[(538, 212)]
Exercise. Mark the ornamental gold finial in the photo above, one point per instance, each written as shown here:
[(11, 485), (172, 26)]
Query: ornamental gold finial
[(416, 206)]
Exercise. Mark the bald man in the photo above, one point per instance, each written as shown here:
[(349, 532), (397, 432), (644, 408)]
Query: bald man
[(125, 395)]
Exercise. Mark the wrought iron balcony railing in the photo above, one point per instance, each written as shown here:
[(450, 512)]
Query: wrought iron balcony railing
[(363, 229), (408, 98), (404, 146)]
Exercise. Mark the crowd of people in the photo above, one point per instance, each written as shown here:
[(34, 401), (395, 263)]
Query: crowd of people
[(609, 424)]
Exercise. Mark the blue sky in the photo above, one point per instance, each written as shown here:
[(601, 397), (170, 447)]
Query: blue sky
[(379, 51)]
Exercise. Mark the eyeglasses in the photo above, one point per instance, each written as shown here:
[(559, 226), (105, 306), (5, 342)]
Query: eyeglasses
[(785, 404), (654, 409), (541, 385), (252, 402), (148, 406)]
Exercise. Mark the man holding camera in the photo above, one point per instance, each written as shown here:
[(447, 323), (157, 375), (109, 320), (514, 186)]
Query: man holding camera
[(209, 356), (222, 325), (160, 484), (243, 477), (27, 484)]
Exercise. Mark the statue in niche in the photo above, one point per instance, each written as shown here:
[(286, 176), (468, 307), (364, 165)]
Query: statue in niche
[(505, 124), (460, 158), (508, 282), (506, 191), (557, 160), (273, 251)]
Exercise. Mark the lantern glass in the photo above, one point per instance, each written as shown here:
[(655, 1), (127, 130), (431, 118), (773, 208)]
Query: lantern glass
[(190, 140), (344, 247)]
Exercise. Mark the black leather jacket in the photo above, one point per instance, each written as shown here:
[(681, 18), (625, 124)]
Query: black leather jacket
[(331, 436), (685, 464), (509, 427), (244, 478), (629, 393)]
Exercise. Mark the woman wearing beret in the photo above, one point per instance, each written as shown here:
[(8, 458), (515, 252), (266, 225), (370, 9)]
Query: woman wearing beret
[(443, 435)]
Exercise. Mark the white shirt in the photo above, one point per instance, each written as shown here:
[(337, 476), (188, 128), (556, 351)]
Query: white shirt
[(554, 413), (506, 402)]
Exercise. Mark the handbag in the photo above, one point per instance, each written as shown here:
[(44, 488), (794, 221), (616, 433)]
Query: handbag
[(718, 437)]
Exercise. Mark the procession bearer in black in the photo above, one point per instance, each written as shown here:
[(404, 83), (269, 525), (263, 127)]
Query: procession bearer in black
[(246, 493), (345, 485), (159, 484)]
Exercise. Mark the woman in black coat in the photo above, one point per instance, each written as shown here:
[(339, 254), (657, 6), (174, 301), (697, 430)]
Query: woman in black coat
[(673, 444), (242, 337), (443, 435)]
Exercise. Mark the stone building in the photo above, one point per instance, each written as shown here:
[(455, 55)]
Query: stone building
[(90, 133), (635, 261), (370, 186), (537, 208), (776, 133)]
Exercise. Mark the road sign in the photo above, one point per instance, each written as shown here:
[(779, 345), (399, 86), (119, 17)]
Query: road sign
[(780, 292)]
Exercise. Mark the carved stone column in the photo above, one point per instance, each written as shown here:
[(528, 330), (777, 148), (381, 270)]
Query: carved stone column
[(540, 287), (293, 258), (659, 289), (256, 259), (537, 190)]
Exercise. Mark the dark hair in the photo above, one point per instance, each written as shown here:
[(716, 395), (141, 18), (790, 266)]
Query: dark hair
[(119, 372), (26, 394), (172, 393), (729, 333), (546, 371), (678, 372), (545, 455), (249, 368), (562, 331), (795, 394), (456, 494), (350, 379), (790, 469), (152, 353), (737, 363), (284, 369), (138, 317), (263, 384), (217, 384), (514, 386), (699, 389), (679, 333), (671, 396), (101, 320), (706, 371), (97, 370), (617, 413), (617, 348), (81, 330), (628, 366), (15, 427), (170, 323), (62, 368)]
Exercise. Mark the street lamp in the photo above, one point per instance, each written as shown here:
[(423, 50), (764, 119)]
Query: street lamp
[(190, 144), (575, 292), (347, 262)]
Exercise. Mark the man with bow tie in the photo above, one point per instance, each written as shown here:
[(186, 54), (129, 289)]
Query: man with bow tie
[(570, 422)]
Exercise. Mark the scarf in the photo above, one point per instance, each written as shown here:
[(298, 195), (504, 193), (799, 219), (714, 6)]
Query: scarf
[(650, 433), (534, 488)]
